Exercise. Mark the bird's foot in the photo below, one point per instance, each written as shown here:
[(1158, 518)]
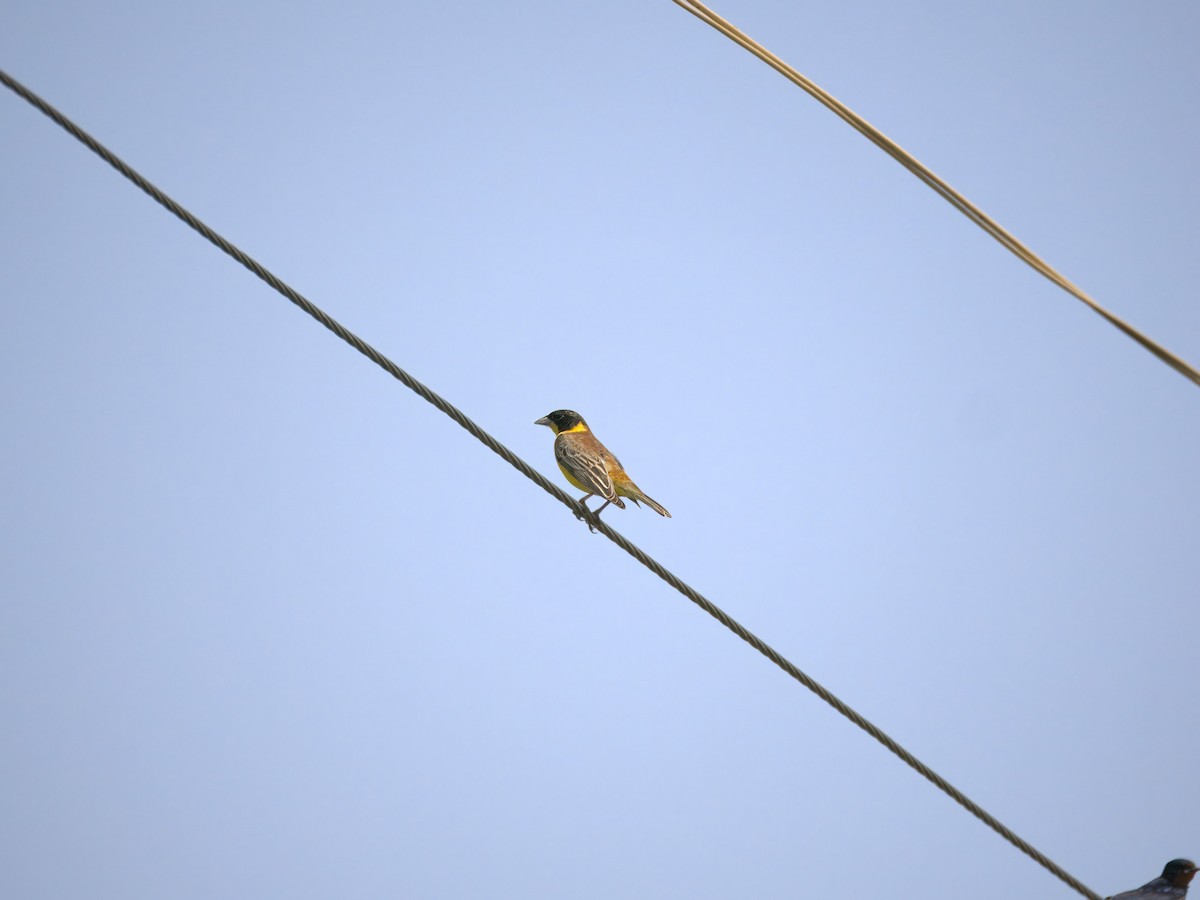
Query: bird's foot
[(588, 517)]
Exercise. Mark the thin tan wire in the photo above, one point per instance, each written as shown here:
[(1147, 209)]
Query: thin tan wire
[(957, 200)]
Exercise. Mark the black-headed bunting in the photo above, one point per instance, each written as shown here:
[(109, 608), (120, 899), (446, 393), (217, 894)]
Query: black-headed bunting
[(590, 466)]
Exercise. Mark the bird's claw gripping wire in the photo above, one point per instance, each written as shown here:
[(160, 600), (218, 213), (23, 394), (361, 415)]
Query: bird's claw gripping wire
[(587, 517)]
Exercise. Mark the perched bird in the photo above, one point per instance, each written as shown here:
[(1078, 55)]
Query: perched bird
[(1172, 883), (589, 465)]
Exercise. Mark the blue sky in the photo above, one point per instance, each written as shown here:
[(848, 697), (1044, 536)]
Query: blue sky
[(273, 626)]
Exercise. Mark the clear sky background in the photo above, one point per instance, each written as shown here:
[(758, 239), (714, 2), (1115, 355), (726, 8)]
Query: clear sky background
[(274, 627)]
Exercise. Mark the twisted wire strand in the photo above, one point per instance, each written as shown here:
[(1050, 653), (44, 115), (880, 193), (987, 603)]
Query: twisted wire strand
[(953, 197), (536, 477), (286, 290)]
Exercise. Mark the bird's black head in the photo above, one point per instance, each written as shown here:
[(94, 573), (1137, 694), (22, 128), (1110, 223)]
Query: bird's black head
[(562, 420), (1179, 872)]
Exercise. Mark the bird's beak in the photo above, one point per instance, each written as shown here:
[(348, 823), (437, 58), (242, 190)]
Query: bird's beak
[(542, 421)]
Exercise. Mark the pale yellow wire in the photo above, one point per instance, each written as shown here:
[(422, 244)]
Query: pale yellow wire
[(961, 203)]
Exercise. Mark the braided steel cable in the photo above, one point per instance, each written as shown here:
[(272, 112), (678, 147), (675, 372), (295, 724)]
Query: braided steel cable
[(286, 290), (537, 478), (949, 194)]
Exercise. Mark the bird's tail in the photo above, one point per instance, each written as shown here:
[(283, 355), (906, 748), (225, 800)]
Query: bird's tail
[(634, 493)]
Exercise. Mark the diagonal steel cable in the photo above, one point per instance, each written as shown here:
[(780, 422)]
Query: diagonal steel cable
[(540, 480), (953, 197)]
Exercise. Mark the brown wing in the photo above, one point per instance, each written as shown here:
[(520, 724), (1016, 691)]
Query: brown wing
[(586, 459)]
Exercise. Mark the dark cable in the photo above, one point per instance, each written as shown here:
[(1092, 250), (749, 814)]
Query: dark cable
[(537, 478)]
